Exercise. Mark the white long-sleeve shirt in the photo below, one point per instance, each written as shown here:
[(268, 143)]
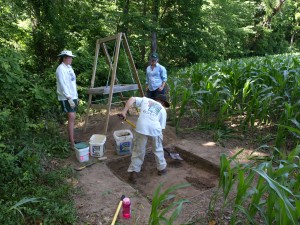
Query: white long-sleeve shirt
[(66, 82), (153, 116)]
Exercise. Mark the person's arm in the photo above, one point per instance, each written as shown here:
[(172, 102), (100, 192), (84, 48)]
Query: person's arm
[(147, 80), (128, 104), (62, 83), (163, 75), (163, 120)]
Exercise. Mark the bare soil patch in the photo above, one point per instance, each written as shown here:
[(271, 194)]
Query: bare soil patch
[(178, 172), (101, 185)]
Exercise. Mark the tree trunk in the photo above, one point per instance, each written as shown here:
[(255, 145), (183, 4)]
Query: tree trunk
[(153, 42), (266, 22), (276, 10), (155, 14), (124, 21), (143, 47)]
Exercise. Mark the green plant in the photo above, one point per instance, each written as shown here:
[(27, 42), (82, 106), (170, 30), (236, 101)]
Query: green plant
[(31, 188), (18, 206), (268, 190), (162, 204), (257, 91)]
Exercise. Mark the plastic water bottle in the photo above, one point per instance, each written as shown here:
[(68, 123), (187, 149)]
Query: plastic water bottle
[(126, 208)]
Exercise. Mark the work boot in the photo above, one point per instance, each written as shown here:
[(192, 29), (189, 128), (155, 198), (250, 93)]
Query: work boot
[(162, 172), (132, 177)]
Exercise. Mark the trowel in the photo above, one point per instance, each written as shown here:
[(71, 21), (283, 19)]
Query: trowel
[(88, 165), (173, 155)]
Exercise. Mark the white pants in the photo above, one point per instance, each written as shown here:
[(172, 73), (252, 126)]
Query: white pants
[(139, 151)]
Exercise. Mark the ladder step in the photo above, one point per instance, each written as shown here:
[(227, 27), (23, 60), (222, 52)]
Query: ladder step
[(98, 106), (117, 88)]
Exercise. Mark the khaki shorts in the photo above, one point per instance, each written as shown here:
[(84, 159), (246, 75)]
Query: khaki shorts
[(65, 106)]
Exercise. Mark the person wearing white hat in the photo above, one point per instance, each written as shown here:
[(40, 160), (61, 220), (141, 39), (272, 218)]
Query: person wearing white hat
[(67, 90)]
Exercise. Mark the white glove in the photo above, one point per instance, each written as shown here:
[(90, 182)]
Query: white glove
[(72, 103)]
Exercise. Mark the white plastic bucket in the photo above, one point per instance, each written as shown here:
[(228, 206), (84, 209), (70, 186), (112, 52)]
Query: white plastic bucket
[(123, 140), (97, 147), (82, 154)]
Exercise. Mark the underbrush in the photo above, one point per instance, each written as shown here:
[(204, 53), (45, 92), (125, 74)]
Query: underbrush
[(32, 190)]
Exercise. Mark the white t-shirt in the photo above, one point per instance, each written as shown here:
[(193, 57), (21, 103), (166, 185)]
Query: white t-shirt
[(152, 117), (66, 82)]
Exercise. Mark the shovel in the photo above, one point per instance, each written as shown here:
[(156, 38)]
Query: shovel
[(118, 210), (126, 120), (173, 155)]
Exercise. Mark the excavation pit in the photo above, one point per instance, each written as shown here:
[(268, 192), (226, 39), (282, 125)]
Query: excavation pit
[(202, 176)]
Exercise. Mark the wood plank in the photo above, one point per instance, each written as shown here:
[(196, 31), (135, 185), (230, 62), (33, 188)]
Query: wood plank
[(116, 89), (113, 77), (98, 106), (92, 83), (106, 39)]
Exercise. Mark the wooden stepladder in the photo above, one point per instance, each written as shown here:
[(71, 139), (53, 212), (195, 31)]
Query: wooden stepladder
[(114, 87)]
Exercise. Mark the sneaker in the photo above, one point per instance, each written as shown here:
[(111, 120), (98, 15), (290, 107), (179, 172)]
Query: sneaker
[(162, 172), (132, 177)]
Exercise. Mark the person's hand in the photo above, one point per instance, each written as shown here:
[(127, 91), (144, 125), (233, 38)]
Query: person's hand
[(71, 103), (122, 115)]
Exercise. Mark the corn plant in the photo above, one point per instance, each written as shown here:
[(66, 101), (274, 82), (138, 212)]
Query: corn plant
[(268, 190), (161, 205), (20, 205), (181, 97), (259, 90)]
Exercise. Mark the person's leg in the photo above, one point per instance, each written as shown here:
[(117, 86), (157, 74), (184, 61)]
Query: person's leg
[(71, 114), (138, 152), (157, 148), (71, 125), (151, 94), (158, 92)]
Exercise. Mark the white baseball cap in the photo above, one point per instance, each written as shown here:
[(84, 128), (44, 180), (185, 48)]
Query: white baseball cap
[(66, 52)]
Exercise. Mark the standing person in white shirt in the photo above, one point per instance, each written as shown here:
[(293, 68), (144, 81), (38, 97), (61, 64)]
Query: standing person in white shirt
[(151, 122), (67, 90), (156, 78)]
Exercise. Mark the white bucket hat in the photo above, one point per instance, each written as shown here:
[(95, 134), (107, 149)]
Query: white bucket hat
[(66, 52)]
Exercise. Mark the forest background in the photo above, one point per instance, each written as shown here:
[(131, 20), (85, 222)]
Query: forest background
[(32, 34)]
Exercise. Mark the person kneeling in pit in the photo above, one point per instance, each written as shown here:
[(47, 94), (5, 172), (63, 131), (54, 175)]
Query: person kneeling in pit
[(150, 123)]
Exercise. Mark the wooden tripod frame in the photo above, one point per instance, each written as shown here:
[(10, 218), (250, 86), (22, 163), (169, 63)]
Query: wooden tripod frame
[(114, 87)]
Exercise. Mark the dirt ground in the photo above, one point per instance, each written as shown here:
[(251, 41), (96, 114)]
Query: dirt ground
[(100, 186)]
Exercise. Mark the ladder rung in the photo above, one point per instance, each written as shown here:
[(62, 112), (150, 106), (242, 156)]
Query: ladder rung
[(98, 106), (115, 103)]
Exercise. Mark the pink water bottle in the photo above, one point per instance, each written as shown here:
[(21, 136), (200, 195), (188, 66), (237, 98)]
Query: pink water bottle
[(126, 208)]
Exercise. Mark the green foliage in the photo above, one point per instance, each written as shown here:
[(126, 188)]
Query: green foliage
[(30, 189), (164, 202), (180, 97), (28, 136), (269, 190), (257, 91)]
